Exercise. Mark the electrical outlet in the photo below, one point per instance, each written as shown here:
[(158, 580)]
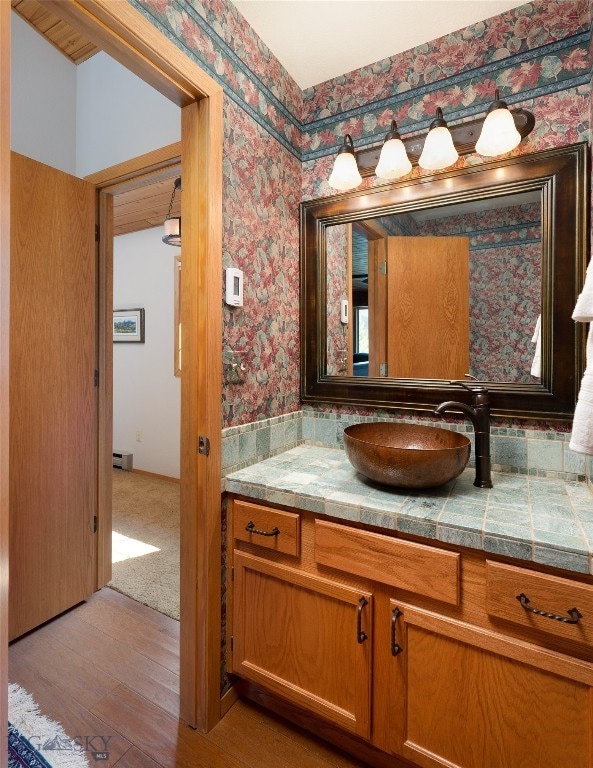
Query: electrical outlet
[(138, 435)]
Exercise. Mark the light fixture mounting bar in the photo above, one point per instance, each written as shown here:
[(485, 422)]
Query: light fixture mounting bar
[(464, 137)]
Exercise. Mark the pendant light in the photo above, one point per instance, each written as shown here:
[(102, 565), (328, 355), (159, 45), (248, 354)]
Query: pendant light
[(393, 161), (439, 151), (345, 174), (172, 234), (499, 133)]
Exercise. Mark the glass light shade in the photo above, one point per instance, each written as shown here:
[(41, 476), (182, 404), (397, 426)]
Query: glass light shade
[(439, 151), (393, 161), (172, 234), (345, 174), (499, 133)]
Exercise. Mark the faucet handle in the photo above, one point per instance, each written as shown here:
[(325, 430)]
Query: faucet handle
[(475, 388), (480, 395)]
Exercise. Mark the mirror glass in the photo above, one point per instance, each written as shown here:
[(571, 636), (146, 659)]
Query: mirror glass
[(409, 286), (439, 292)]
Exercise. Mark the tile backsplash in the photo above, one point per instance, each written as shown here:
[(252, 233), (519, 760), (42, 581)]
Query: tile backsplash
[(249, 443), (517, 451)]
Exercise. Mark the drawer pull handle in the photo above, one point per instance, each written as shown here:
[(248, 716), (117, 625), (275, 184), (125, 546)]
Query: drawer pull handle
[(395, 646), (573, 614), (360, 635), (250, 528)]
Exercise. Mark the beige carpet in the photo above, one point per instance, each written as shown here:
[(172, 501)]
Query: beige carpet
[(146, 534)]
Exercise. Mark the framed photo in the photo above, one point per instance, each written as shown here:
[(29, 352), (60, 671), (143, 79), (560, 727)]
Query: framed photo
[(128, 325)]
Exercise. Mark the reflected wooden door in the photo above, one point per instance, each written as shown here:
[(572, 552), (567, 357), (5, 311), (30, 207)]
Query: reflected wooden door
[(428, 307), (52, 393)]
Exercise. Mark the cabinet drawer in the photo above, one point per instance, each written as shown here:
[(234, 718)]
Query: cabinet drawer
[(258, 525), (414, 567), (549, 594)]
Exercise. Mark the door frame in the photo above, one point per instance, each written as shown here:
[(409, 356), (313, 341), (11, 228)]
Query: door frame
[(4, 359), (127, 36), (109, 182)]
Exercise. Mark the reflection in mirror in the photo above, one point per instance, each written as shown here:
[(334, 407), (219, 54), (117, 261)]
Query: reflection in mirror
[(514, 237), (439, 292)]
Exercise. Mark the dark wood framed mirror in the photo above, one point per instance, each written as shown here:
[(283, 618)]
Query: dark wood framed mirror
[(553, 185)]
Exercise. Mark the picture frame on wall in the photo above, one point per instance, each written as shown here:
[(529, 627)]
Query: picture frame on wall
[(128, 325)]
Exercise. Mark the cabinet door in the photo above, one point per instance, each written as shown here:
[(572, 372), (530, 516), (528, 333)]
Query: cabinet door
[(305, 638), (465, 697)]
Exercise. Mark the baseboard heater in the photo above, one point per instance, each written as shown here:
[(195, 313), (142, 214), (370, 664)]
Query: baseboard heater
[(123, 460)]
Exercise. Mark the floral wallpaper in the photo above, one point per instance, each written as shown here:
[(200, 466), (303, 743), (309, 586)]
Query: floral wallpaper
[(261, 236), (336, 251), (519, 31), (505, 301), (215, 35), (538, 47), (280, 143), (261, 194)]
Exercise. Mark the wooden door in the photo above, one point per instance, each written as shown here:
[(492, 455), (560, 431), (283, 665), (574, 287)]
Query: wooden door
[(428, 307), (465, 697), (297, 634), (52, 393), (5, 18)]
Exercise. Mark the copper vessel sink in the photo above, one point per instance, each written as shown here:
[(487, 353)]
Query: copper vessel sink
[(406, 455)]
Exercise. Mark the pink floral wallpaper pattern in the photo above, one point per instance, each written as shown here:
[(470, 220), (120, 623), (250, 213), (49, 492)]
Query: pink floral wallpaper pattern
[(261, 236), (217, 37), (522, 30), (336, 249), (279, 143)]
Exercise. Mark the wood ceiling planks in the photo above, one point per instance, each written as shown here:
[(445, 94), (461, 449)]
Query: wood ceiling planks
[(145, 207), (65, 38)]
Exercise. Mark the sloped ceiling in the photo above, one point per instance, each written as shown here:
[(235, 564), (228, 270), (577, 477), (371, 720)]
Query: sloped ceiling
[(147, 206), (62, 36)]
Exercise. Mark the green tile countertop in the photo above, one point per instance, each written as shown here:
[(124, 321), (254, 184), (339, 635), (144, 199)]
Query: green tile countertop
[(529, 518)]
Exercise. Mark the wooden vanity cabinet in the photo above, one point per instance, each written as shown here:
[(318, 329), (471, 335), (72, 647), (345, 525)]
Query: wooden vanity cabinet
[(297, 633), (305, 638), (446, 675), (463, 696)]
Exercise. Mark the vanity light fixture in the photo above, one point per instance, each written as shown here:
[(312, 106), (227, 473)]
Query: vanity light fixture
[(492, 135), (345, 174), (499, 133), (393, 161), (172, 234), (439, 151)]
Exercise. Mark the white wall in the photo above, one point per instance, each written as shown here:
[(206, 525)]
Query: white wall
[(146, 394), (119, 116), (43, 99)]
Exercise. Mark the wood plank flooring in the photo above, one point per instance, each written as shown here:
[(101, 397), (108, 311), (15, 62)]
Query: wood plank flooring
[(108, 671)]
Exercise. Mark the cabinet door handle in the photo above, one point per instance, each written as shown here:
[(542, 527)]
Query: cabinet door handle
[(395, 646), (250, 528), (360, 635), (573, 614)]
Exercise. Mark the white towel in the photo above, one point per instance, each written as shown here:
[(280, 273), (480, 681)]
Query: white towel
[(581, 440), (536, 366), (583, 311)]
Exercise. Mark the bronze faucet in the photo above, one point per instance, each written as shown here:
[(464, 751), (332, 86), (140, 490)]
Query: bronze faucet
[(479, 414)]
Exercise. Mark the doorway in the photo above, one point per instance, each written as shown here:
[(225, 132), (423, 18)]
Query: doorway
[(126, 35), (146, 393)]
